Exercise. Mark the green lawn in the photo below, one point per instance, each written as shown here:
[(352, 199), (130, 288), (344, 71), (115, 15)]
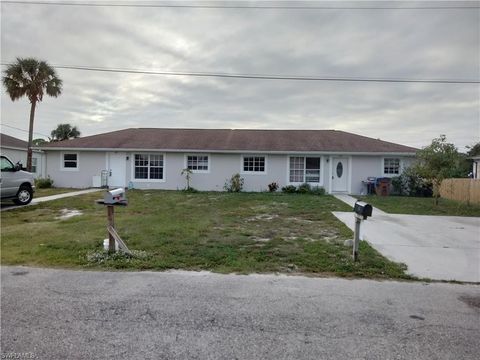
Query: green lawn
[(51, 191), (421, 206), (222, 232)]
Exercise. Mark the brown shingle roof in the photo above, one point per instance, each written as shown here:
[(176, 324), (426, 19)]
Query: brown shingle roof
[(10, 141), (233, 140)]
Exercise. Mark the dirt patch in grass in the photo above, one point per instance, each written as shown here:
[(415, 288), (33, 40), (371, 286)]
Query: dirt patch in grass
[(262, 217), (68, 213)]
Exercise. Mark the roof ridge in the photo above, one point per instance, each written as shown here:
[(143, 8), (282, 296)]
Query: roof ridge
[(225, 129)]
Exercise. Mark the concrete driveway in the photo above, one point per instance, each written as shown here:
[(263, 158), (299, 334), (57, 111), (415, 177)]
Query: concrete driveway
[(435, 247)]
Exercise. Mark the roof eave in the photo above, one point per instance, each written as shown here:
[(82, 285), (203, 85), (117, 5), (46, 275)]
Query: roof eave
[(322, 152)]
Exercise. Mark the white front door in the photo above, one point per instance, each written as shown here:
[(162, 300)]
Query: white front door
[(117, 168), (339, 174)]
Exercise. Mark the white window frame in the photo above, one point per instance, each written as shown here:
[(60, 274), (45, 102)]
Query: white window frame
[(132, 176), (62, 161), (34, 159), (242, 169), (185, 162), (322, 165), (400, 166)]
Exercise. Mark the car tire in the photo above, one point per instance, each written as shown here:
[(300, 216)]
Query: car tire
[(24, 195)]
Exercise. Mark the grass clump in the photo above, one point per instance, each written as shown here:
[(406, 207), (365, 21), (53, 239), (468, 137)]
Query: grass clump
[(44, 183), (421, 206)]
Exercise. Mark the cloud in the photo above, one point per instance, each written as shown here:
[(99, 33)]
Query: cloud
[(384, 43)]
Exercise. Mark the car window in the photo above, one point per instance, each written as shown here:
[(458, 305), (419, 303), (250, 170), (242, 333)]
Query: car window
[(5, 164)]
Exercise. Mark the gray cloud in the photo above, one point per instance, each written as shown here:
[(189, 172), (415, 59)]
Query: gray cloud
[(383, 43)]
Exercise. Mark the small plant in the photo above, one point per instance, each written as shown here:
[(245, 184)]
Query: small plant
[(317, 190), (234, 184), (44, 183), (103, 256), (190, 190), (272, 187), (305, 188), (188, 175), (289, 189)]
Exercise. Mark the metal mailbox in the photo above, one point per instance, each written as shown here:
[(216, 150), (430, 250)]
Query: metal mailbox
[(363, 209), (115, 196)]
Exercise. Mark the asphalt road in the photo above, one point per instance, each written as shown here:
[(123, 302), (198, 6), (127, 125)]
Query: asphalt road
[(58, 314)]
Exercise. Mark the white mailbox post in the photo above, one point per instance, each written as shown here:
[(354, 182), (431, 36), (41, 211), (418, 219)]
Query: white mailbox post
[(112, 198), (361, 210)]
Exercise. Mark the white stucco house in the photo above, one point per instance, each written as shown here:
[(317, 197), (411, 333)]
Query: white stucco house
[(476, 167), (16, 150), (153, 158)]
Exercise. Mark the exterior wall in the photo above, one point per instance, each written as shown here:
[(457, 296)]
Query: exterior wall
[(90, 163), (371, 166), (21, 155), (221, 168), (476, 168)]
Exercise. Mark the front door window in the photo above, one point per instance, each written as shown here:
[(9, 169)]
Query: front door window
[(339, 169)]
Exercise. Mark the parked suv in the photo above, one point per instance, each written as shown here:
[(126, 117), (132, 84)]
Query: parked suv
[(15, 183)]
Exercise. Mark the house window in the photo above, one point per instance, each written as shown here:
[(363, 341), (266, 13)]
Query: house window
[(34, 164), (70, 161), (197, 162), (304, 169), (254, 164), (148, 166), (391, 166)]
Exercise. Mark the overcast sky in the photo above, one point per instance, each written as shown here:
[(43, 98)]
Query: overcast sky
[(414, 44)]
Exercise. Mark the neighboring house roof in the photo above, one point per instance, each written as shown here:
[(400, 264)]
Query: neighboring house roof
[(7, 141), (232, 140)]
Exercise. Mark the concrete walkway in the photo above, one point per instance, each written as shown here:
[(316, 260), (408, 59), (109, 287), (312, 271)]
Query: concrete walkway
[(64, 195), (52, 197), (350, 200), (435, 247)]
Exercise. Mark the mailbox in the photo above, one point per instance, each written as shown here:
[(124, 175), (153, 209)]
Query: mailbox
[(115, 196), (363, 209)]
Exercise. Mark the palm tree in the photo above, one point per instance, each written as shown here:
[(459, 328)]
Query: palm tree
[(65, 132), (31, 78)]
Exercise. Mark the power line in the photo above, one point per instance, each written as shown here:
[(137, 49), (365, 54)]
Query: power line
[(13, 127), (254, 7), (264, 76)]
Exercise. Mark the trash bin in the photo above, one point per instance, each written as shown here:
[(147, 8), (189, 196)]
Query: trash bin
[(382, 186)]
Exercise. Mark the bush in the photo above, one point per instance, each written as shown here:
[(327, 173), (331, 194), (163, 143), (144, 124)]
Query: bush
[(235, 184), (304, 188), (43, 183), (289, 189), (410, 183), (272, 187)]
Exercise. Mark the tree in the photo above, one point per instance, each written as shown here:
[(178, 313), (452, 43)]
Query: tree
[(39, 141), (473, 150), (438, 161), (31, 78), (65, 132)]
